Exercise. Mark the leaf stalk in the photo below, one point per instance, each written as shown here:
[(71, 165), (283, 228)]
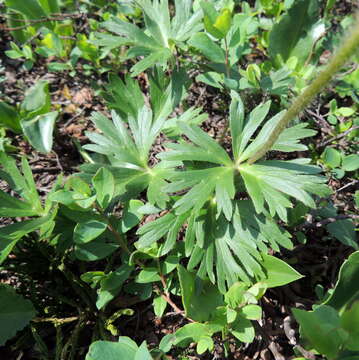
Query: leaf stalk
[(351, 43)]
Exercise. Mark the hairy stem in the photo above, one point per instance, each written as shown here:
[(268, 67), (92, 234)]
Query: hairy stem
[(342, 55)]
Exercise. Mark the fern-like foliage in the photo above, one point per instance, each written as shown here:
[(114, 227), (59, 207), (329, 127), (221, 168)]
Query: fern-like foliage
[(125, 142), (158, 41), (227, 207)]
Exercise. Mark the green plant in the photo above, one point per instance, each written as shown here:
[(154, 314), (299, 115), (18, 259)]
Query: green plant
[(34, 118), (165, 36), (198, 225), (124, 348), (231, 314), (331, 328)]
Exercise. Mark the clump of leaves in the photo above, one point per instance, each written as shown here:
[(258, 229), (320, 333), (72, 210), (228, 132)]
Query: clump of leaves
[(162, 36)]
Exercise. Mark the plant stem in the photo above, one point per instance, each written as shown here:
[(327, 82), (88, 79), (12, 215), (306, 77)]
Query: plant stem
[(114, 232), (166, 294), (227, 57), (59, 340), (56, 321), (342, 55)]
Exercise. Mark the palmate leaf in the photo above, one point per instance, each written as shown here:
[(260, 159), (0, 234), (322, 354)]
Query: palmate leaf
[(225, 238), (243, 129), (126, 154), (127, 151), (124, 144), (167, 30), (273, 182), (205, 183), (126, 97), (156, 42), (233, 249), (224, 251), (270, 184)]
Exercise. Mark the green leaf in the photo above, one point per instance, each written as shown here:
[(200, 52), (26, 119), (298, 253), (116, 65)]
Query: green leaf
[(156, 42), (210, 16), (111, 285), (243, 330), (225, 192), (39, 131), (349, 322), (57, 66), (278, 82), (273, 181), (203, 140), (234, 297), (344, 111), (21, 36), (344, 231), (278, 272), (130, 215), (159, 305), (344, 291), (15, 313), (37, 99), (11, 234), (296, 32), (208, 48), (289, 139), (13, 207), (169, 264), (50, 6), (79, 186), (189, 333), (155, 193), (85, 232), (233, 248), (22, 183), (31, 191), (92, 277), (125, 348), (143, 353), (351, 162), (9, 117), (331, 157), (236, 119), (30, 8), (104, 184), (205, 343), (153, 232), (124, 96), (223, 21), (321, 328), (251, 312), (193, 291), (255, 119), (159, 57), (217, 24), (94, 250), (148, 275)]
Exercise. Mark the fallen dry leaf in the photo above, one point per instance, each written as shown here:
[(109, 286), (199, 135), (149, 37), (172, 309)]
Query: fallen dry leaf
[(84, 96)]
